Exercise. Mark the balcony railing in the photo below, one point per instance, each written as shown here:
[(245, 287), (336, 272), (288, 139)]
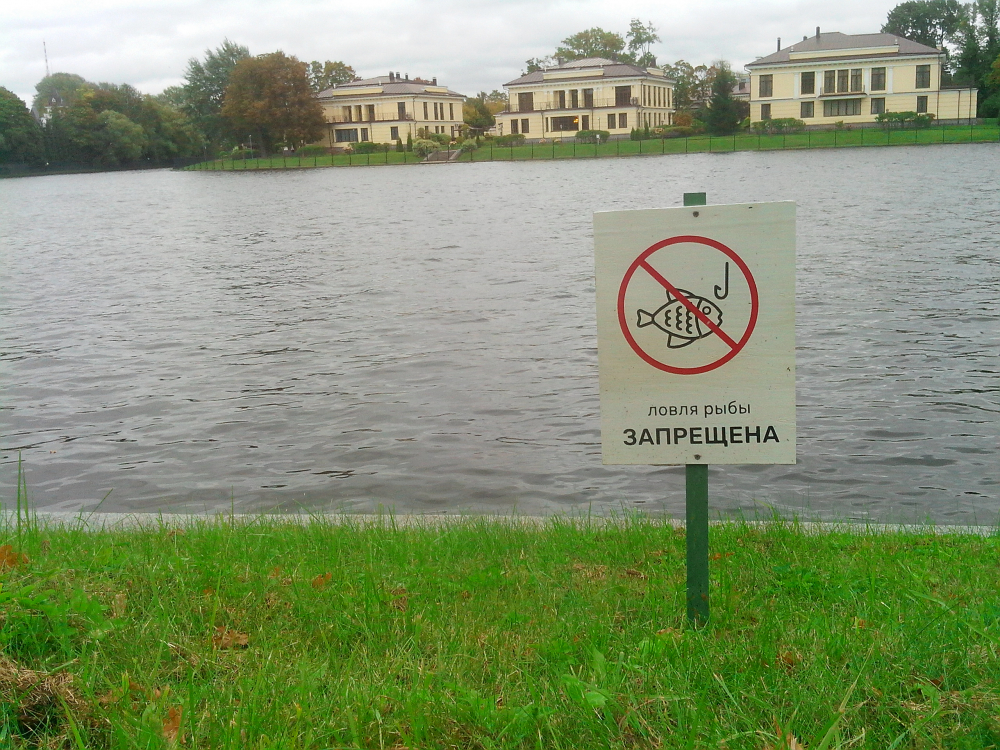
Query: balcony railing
[(338, 119), (824, 93), (596, 104)]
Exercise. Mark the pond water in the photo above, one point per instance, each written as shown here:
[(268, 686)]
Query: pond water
[(422, 338)]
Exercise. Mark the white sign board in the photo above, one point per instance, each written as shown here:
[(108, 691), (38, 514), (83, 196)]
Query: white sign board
[(696, 334)]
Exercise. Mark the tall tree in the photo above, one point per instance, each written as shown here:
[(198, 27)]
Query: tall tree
[(205, 87), (324, 75), (538, 63), (930, 22), (724, 112), (978, 46), (595, 42), (476, 112), (20, 134), (640, 38), (269, 96), (58, 90), (692, 84)]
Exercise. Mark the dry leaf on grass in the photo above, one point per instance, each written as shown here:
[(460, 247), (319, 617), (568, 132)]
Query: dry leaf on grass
[(786, 741), (118, 606), (174, 533), (401, 598), (11, 559), (172, 724), (38, 696), (788, 659), (225, 638), (633, 573), (592, 572), (321, 580)]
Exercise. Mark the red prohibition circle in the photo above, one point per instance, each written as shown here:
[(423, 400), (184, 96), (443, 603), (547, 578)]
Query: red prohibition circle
[(640, 262)]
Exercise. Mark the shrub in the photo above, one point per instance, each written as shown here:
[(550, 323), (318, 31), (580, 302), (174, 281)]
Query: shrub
[(313, 149), (676, 131), (511, 139), (684, 119), (889, 120), (593, 136), (441, 138), (778, 126), (424, 147), (399, 146), (469, 144), (367, 147)]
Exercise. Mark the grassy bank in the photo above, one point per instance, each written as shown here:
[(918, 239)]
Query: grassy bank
[(494, 634), (569, 149)]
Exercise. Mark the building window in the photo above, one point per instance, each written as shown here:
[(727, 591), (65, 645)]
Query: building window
[(921, 104), (765, 85), (765, 111), (574, 98), (829, 81), (878, 79), (588, 98), (843, 79), (346, 136), (524, 125), (401, 110), (857, 80), (364, 134), (586, 122), (451, 110), (513, 127), (525, 102), (842, 108), (394, 133), (923, 76), (612, 122), (560, 99), (622, 120), (806, 109), (878, 105), (565, 123), (623, 96), (425, 111), (348, 116), (808, 83)]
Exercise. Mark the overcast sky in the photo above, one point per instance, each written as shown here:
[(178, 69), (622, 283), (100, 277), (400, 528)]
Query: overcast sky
[(469, 45)]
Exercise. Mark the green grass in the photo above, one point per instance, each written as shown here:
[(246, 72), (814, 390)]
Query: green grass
[(701, 144), (493, 633)]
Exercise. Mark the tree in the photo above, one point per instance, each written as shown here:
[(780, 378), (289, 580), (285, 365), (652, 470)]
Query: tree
[(205, 87), (930, 22), (539, 63), (325, 75), (496, 100), (595, 42), (58, 90), (979, 46), (724, 112), (476, 112), (20, 134), (692, 84), (269, 95), (640, 38)]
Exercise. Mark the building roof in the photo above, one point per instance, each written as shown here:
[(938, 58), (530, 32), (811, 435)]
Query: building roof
[(608, 68), (836, 43), (393, 86)]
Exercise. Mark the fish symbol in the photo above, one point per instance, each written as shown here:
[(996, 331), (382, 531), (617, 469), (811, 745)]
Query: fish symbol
[(681, 325)]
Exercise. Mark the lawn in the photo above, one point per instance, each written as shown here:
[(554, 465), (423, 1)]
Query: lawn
[(569, 149), (494, 633)]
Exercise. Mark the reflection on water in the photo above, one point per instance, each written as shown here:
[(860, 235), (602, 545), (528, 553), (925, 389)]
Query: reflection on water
[(423, 338)]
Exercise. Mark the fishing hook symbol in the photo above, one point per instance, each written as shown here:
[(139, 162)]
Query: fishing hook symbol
[(724, 294)]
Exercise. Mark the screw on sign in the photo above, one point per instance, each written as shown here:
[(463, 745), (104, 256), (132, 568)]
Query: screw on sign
[(667, 303)]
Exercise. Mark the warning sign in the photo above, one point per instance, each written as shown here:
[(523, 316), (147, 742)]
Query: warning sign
[(696, 337)]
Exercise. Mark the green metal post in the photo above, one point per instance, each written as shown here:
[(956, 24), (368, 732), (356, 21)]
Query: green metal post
[(696, 515)]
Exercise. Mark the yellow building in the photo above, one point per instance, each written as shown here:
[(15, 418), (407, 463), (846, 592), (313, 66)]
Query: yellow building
[(835, 77), (589, 94), (388, 108)]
